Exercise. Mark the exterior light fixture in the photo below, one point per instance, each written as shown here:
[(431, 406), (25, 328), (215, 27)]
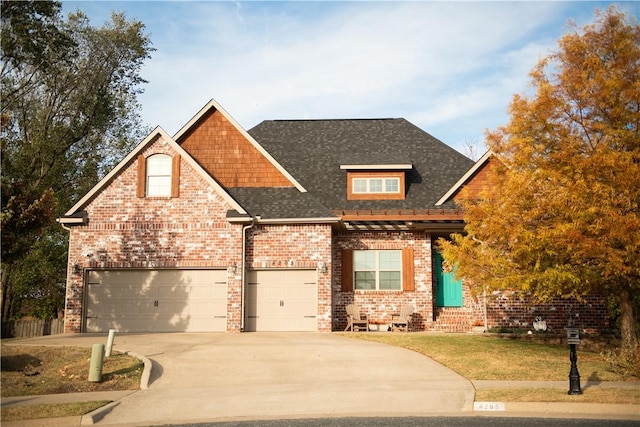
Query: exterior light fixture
[(75, 268), (323, 268)]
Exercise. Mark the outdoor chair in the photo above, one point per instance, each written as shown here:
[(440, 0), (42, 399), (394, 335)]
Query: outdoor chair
[(400, 322), (355, 319)]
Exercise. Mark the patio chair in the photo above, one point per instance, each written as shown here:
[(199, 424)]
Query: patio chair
[(400, 322), (355, 319)]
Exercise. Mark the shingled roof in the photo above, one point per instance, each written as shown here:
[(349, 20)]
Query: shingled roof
[(314, 150)]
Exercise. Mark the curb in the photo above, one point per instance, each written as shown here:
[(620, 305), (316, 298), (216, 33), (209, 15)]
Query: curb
[(146, 372), (95, 416), (578, 409)]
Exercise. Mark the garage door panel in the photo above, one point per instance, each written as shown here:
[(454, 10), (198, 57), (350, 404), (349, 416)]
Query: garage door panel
[(281, 300), (156, 300)]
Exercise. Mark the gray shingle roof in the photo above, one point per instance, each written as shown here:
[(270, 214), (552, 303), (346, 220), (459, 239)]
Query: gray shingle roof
[(280, 203), (313, 150)]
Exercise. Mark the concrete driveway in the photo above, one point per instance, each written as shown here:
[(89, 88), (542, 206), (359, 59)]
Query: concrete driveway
[(218, 377)]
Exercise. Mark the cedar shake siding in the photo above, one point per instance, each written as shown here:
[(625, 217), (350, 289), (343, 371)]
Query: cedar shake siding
[(227, 155)]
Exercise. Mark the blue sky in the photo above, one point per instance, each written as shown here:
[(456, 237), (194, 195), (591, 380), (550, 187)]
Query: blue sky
[(451, 68)]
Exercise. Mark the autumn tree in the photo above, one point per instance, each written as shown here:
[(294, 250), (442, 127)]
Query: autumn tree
[(69, 111), (560, 216)]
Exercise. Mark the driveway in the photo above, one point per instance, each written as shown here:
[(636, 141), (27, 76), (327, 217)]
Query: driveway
[(217, 377)]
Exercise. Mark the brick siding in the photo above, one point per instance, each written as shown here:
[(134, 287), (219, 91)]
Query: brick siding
[(380, 305), (125, 231), (305, 246)]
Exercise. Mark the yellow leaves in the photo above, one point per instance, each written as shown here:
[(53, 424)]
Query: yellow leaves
[(562, 215)]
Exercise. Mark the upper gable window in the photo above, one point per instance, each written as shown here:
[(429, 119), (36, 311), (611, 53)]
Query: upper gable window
[(375, 185), (158, 175)]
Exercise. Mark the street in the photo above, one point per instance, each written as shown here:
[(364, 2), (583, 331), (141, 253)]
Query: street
[(475, 421)]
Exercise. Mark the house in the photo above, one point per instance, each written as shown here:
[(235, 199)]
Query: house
[(273, 229)]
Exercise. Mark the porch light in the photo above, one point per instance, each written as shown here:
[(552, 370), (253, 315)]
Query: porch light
[(323, 268), (75, 268)]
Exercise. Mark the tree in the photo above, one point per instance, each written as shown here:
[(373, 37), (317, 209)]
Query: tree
[(560, 216), (69, 111)]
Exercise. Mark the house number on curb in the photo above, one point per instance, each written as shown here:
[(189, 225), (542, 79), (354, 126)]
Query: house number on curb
[(488, 406)]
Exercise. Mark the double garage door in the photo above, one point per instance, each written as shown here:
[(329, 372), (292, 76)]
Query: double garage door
[(156, 301), (281, 300), (196, 300)]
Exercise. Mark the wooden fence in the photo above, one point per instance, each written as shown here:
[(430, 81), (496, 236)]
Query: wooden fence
[(32, 328)]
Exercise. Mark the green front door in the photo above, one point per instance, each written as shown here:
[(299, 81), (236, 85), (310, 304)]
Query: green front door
[(448, 289)]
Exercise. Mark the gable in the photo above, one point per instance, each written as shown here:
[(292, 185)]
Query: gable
[(478, 181), (221, 149), (130, 164), (475, 179)]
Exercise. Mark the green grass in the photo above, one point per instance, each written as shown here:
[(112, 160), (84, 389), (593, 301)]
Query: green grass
[(33, 412), (488, 357)]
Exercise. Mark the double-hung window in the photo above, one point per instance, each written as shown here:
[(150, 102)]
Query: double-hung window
[(159, 175), (377, 269)]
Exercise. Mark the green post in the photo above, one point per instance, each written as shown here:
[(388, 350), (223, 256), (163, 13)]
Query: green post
[(95, 367)]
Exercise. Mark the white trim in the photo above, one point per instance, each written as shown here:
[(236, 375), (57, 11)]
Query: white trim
[(465, 177), (329, 220), (74, 220), (158, 131), (398, 166), (213, 104)]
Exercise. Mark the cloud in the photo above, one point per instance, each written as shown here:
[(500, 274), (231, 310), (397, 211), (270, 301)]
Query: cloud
[(448, 66)]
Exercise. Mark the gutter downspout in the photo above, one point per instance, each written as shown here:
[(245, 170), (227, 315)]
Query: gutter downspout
[(64, 326), (243, 272)]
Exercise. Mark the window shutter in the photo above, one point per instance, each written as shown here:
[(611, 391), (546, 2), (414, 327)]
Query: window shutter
[(347, 270), (175, 176), (408, 280), (142, 176)]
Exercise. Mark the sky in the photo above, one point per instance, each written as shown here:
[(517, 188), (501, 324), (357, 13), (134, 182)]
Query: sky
[(451, 68)]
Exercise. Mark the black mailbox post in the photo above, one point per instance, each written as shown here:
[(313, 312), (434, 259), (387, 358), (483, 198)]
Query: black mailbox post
[(573, 339)]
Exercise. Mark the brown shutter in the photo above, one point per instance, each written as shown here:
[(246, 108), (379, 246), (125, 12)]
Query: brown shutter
[(175, 176), (347, 270), (408, 281), (142, 176)]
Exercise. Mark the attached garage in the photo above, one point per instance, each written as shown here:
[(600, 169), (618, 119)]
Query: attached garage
[(156, 301), (281, 300)]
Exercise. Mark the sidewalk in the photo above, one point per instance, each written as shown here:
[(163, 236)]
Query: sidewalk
[(225, 377), (529, 409)]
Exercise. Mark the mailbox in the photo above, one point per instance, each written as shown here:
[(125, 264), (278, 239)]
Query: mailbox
[(573, 336)]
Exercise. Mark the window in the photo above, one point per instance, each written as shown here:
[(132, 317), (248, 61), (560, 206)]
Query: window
[(369, 185), (158, 176), (376, 185), (377, 270)]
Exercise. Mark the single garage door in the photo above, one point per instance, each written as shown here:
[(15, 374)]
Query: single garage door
[(281, 300), (156, 301)]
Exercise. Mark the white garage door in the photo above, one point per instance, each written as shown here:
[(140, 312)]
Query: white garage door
[(281, 300), (156, 301)]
